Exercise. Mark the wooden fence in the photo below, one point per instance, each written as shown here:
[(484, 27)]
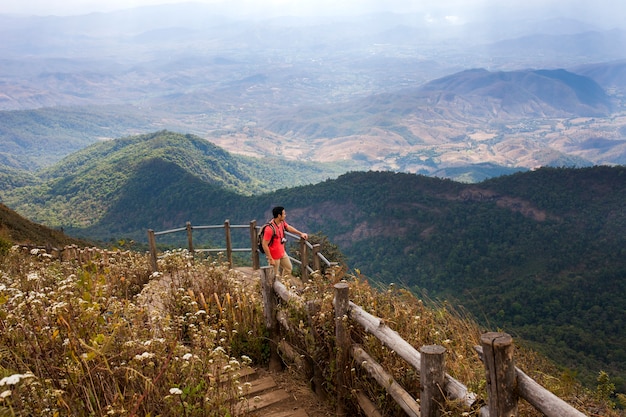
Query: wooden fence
[(311, 258), (506, 383)]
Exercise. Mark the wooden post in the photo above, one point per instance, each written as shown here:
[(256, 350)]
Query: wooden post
[(153, 250), (268, 275), (432, 380), (304, 259), (189, 238), (229, 245), (317, 266), (256, 263), (500, 374), (341, 303)]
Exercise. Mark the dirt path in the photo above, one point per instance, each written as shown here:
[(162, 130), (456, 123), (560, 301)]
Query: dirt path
[(296, 397), (273, 394)]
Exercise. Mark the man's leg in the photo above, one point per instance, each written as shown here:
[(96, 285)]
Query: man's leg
[(285, 266), (286, 270)]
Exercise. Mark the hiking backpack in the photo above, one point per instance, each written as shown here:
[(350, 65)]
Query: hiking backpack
[(260, 236)]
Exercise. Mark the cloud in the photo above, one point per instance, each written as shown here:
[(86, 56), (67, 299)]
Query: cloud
[(450, 11)]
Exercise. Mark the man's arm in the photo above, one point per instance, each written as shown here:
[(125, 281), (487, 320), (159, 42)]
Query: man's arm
[(293, 230)]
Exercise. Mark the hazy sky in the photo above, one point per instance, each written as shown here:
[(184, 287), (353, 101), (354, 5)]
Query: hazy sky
[(611, 11)]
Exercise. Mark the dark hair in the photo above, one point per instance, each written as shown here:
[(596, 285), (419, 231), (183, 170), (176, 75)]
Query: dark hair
[(277, 211)]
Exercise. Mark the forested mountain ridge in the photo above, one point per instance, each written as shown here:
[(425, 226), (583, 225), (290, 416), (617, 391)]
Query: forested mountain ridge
[(80, 189), (539, 254)]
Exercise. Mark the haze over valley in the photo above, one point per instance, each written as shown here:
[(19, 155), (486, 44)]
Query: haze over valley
[(464, 99)]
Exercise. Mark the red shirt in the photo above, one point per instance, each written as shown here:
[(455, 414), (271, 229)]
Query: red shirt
[(277, 248)]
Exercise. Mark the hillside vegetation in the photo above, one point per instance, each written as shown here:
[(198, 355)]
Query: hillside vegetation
[(15, 229), (105, 336), (79, 190), (539, 254)]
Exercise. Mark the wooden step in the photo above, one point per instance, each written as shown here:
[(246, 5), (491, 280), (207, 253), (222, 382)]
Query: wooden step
[(295, 413), (260, 385), (258, 402)]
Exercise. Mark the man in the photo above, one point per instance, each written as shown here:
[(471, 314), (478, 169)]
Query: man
[(275, 252)]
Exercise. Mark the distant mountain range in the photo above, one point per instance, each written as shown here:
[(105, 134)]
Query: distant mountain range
[(539, 254), (380, 91), (451, 126)]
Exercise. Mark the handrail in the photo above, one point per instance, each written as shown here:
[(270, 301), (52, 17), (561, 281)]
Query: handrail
[(318, 259)]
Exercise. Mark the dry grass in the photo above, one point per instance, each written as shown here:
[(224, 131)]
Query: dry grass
[(105, 336), (76, 339)]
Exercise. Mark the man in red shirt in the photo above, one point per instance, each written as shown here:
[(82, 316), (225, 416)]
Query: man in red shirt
[(274, 248)]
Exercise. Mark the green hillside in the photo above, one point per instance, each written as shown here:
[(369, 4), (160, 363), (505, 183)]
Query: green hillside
[(538, 254), (79, 190), (15, 229)]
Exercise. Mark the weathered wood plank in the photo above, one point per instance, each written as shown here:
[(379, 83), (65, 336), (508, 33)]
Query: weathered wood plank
[(367, 406), (385, 380), (260, 385), (262, 401)]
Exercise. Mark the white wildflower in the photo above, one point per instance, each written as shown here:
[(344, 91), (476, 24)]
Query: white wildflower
[(14, 379), (176, 391), (145, 355), (187, 356)]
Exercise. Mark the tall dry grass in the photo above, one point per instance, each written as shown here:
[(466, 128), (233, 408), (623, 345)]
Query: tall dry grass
[(105, 336), (80, 339)]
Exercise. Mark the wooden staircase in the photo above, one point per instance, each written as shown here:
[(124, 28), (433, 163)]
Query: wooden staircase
[(267, 398)]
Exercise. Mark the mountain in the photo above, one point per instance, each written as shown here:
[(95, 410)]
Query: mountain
[(375, 89), (522, 94), (538, 253), (83, 187), (514, 120), (451, 126), (610, 75)]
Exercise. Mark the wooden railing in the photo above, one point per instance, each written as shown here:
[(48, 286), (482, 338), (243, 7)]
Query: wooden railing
[(506, 383), (311, 258)]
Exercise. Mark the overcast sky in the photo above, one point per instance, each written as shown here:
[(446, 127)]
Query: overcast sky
[(607, 11)]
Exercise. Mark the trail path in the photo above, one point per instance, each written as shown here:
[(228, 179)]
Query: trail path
[(273, 394), (281, 394)]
